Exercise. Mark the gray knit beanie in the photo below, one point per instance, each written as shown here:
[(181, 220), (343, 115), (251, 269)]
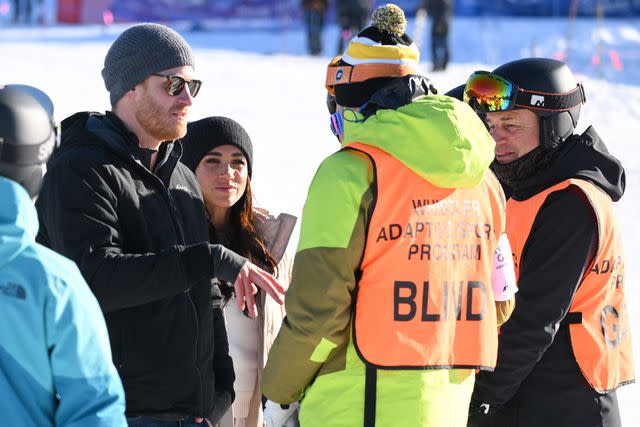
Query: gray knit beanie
[(140, 51)]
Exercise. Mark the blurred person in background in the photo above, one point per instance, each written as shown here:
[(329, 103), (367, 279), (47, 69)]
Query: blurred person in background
[(390, 309), (352, 18), (314, 14), (220, 152), (117, 200), (567, 346), (55, 359), (24, 11), (440, 12), (48, 12)]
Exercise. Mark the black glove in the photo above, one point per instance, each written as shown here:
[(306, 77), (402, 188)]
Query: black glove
[(482, 414), (489, 415)]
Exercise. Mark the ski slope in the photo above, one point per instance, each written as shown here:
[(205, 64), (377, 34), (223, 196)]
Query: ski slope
[(263, 80)]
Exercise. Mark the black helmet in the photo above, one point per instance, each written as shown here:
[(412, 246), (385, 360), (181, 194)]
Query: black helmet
[(28, 135), (552, 79), (457, 92)]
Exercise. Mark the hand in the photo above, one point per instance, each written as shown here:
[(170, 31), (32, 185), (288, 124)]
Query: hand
[(276, 415), (245, 290), (203, 420)]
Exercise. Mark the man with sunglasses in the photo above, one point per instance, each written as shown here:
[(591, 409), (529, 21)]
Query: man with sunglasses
[(117, 201), (567, 346)]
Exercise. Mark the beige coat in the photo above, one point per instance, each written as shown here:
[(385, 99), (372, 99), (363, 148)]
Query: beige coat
[(276, 233)]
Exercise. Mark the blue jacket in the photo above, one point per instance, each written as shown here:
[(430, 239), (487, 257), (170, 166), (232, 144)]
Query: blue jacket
[(55, 360)]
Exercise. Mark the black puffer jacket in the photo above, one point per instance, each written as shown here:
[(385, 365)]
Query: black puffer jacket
[(537, 381), (141, 241)]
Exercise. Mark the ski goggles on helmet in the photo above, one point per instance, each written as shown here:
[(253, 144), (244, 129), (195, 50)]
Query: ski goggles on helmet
[(175, 84), (486, 92), (340, 73)]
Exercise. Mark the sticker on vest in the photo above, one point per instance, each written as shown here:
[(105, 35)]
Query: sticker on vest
[(503, 275)]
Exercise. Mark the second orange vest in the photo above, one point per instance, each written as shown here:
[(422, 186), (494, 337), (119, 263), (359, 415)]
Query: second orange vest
[(598, 324), (424, 299)]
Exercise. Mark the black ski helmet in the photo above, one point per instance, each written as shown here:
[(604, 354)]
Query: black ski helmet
[(548, 77), (28, 135), (457, 92)]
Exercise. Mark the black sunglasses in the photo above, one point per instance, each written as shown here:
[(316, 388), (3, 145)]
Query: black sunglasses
[(175, 84)]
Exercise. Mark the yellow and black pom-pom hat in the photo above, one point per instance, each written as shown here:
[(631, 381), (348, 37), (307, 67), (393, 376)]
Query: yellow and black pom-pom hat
[(379, 53)]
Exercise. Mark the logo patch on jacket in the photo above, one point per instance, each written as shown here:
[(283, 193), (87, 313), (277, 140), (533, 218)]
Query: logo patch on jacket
[(186, 189), (13, 290)]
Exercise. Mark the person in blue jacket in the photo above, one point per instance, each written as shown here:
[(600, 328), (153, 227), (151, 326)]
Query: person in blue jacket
[(55, 359)]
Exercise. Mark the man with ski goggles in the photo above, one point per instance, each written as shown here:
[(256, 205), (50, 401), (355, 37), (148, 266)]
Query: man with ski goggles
[(567, 346)]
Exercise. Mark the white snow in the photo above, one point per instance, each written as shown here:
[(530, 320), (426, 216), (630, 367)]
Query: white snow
[(261, 79), (631, 34)]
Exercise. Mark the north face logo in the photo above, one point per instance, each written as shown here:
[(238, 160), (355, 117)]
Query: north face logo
[(45, 150), (537, 100), (13, 290)]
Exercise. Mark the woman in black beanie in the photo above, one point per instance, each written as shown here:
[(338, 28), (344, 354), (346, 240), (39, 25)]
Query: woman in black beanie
[(219, 151)]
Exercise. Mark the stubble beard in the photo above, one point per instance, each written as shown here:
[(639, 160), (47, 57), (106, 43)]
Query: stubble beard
[(151, 117)]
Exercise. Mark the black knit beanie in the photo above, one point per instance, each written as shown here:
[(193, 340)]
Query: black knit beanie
[(206, 134), (140, 51)]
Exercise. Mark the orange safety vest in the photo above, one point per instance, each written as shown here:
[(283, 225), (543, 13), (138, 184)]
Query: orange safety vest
[(597, 318), (424, 298)]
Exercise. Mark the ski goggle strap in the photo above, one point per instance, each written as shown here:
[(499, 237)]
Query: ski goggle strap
[(344, 74), (337, 119), (487, 92), (331, 103)]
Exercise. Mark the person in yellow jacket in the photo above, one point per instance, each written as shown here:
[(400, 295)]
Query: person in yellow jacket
[(567, 346), (392, 305)]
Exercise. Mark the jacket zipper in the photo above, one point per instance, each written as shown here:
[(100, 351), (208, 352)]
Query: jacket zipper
[(181, 239), (180, 231)]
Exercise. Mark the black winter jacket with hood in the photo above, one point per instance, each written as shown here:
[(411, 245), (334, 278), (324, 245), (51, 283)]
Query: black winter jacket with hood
[(140, 239), (537, 381)]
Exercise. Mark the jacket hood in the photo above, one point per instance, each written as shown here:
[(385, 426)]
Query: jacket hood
[(18, 220), (72, 127), (90, 128), (581, 156), (438, 137), (275, 231), (109, 132)]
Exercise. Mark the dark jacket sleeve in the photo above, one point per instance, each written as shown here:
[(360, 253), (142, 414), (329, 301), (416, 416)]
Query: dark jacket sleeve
[(79, 214), (222, 366), (561, 246)]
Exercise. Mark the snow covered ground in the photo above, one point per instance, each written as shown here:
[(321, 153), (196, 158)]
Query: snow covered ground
[(263, 80)]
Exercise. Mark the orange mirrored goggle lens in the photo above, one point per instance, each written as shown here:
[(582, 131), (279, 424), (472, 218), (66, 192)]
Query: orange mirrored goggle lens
[(488, 93)]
